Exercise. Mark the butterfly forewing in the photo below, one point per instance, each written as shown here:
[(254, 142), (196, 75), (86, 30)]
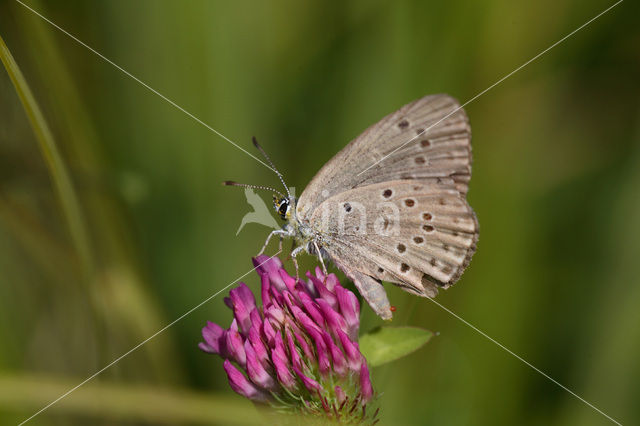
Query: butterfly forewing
[(440, 147)]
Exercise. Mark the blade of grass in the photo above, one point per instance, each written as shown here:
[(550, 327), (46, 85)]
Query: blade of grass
[(37, 240), (122, 294), (60, 176), (125, 401)]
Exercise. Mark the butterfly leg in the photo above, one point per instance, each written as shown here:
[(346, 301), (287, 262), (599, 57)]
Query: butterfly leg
[(293, 246), (295, 252), (281, 232), (324, 268)]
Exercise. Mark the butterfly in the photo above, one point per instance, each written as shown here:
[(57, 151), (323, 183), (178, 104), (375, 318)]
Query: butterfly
[(391, 205)]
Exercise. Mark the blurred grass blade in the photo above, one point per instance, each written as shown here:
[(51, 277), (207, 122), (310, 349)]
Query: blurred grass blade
[(386, 344), (124, 401), (121, 294), (59, 174)]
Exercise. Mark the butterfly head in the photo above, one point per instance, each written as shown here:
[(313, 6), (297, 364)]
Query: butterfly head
[(283, 206)]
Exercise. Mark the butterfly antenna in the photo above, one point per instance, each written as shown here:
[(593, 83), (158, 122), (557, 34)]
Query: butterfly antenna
[(257, 145), (245, 185)]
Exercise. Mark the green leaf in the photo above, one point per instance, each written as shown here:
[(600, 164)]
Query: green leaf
[(386, 344)]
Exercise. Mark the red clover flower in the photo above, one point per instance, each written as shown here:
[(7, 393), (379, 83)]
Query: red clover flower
[(299, 351)]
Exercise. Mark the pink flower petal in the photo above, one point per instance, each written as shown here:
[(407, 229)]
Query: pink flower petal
[(258, 345), (340, 395), (334, 319), (241, 385), (256, 371), (281, 365), (206, 348), (214, 338), (235, 346), (311, 307), (309, 383), (366, 389), (270, 267), (256, 319), (269, 332), (265, 291), (304, 345), (242, 302), (288, 280), (350, 309), (339, 361), (322, 352), (331, 281), (293, 351), (323, 291), (354, 357)]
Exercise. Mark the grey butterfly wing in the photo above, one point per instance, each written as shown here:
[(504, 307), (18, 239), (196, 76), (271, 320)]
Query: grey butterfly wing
[(441, 147), (418, 235), (370, 288)]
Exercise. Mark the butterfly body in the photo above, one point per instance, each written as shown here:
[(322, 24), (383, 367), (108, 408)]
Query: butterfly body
[(302, 234)]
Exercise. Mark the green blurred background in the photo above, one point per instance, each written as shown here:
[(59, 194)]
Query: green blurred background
[(556, 186)]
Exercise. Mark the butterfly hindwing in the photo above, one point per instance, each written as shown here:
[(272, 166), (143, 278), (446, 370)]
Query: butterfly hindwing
[(419, 235), (370, 288)]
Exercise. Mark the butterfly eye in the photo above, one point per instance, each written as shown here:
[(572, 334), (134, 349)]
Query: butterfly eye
[(283, 208)]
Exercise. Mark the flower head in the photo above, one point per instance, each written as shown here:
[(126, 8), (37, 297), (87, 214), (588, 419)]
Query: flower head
[(299, 351)]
